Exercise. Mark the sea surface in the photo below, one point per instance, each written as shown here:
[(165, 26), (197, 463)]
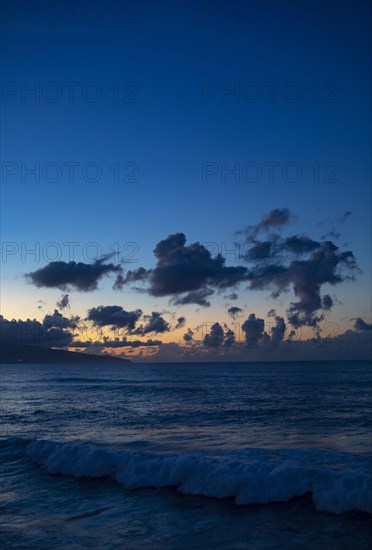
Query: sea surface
[(186, 456)]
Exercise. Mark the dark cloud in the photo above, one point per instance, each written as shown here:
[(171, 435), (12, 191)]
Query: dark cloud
[(65, 275), (253, 329), (234, 311), (325, 265), (229, 340), (114, 316), (116, 343), (133, 343), (259, 251), (119, 282), (273, 277), (188, 336), (275, 219), (64, 302), (154, 323), (54, 331), (180, 322), (57, 320), (278, 331), (57, 337), (362, 325), (215, 338), (327, 302), (320, 263), (33, 332), (137, 275), (232, 296), (297, 246), (196, 297), (278, 250), (278, 217), (254, 333), (189, 273)]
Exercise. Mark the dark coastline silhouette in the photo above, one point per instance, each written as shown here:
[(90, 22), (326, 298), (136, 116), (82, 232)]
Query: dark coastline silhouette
[(27, 354)]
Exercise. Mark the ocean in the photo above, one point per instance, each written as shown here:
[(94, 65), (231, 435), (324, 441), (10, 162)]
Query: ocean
[(187, 456)]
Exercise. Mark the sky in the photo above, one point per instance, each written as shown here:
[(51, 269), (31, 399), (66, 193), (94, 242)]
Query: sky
[(167, 140)]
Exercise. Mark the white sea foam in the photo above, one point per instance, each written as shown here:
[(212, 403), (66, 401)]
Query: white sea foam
[(337, 481)]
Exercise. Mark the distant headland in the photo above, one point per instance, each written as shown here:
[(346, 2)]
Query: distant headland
[(28, 354)]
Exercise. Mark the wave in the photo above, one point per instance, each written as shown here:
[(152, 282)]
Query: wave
[(77, 380), (337, 481)]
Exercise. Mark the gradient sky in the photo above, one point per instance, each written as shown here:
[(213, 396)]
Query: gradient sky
[(171, 62)]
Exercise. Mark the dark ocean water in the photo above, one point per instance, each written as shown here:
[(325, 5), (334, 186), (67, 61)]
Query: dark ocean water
[(177, 456)]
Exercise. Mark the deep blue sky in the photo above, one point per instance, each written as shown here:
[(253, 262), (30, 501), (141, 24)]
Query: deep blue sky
[(167, 54)]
